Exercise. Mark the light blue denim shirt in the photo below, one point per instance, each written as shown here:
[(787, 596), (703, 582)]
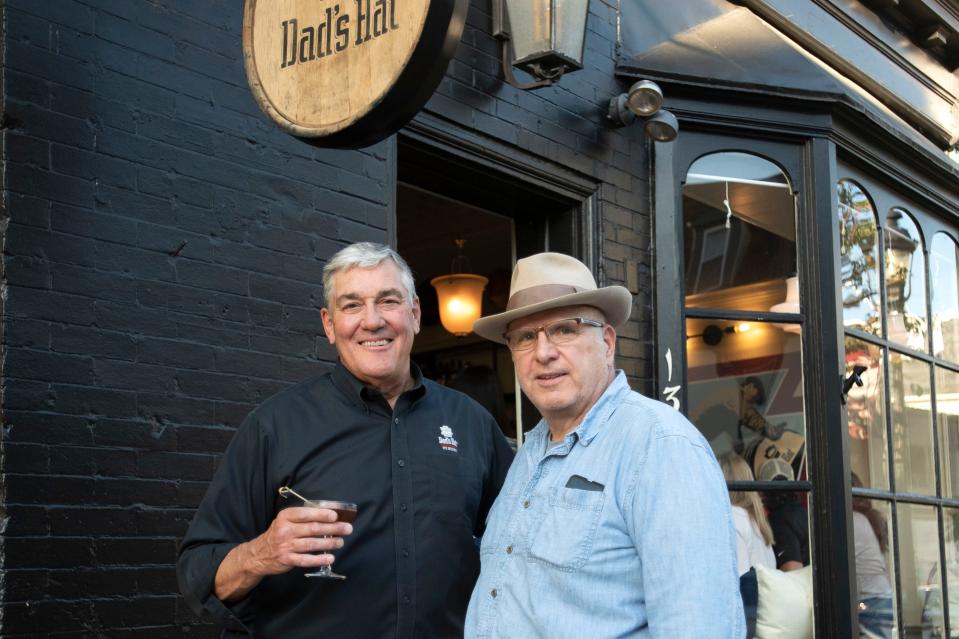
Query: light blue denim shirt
[(640, 543)]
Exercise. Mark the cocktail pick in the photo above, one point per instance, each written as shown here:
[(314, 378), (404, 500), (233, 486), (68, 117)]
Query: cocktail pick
[(286, 491)]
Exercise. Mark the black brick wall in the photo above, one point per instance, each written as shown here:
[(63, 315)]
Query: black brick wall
[(163, 251)]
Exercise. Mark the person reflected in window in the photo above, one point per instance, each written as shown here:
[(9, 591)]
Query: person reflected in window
[(754, 536), (876, 618), (752, 395), (787, 518)]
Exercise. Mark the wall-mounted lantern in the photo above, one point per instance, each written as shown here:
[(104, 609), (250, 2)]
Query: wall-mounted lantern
[(547, 36)]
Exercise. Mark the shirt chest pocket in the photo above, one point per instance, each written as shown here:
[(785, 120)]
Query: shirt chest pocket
[(565, 534)]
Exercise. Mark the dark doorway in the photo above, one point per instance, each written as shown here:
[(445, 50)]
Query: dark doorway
[(442, 198)]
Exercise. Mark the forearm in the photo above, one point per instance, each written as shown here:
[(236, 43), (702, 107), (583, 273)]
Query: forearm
[(238, 573)]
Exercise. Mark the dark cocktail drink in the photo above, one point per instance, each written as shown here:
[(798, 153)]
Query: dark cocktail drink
[(346, 513)]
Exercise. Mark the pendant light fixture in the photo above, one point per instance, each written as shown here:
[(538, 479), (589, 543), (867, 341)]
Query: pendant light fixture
[(460, 294)]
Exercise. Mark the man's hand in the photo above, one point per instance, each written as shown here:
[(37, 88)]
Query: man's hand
[(298, 537)]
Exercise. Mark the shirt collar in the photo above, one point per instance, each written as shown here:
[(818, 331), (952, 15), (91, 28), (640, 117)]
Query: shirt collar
[(360, 393), (597, 415), (602, 409)]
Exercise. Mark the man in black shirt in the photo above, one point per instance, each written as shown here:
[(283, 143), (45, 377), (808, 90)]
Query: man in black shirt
[(422, 462)]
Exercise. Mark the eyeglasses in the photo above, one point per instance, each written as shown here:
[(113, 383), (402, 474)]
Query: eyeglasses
[(559, 332)]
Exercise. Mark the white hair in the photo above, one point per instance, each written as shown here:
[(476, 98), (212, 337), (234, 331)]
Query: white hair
[(365, 255)]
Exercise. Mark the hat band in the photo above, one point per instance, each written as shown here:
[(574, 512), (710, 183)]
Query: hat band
[(541, 293)]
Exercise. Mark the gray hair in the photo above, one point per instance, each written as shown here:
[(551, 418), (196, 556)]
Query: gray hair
[(365, 255)]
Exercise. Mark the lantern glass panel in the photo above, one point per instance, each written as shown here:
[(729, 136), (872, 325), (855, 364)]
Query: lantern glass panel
[(570, 25), (530, 23), (549, 33)]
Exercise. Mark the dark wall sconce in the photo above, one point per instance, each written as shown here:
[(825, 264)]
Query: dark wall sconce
[(713, 334)]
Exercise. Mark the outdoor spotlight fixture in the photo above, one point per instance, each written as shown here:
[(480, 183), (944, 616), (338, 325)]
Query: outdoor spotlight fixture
[(644, 100), (547, 38), (662, 126)]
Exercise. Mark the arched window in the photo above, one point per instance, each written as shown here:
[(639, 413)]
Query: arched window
[(745, 378), (943, 268), (859, 259), (944, 299), (891, 381), (739, 232)]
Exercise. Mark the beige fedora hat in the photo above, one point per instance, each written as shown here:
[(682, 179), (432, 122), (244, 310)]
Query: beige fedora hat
[(553, 280)]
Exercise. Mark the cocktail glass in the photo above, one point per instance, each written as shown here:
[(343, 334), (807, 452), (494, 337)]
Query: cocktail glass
[(345, 512)]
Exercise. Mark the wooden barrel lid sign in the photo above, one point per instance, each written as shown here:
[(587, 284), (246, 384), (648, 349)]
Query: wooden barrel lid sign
[(347, 73)]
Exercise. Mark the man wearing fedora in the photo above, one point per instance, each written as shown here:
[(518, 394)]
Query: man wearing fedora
[(614, 520)]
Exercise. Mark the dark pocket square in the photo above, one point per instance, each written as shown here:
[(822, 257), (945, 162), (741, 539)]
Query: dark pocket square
[(581, 483)]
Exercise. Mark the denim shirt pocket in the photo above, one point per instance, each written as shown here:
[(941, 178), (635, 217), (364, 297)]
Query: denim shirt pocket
[(564, 537)]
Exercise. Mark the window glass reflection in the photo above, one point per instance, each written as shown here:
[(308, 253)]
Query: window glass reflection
[(911, 416), (772, 552), (865, 411), (871, 520), (947, 410), (905, 281), (859, 258), (746, 392), (933, 610), (920, 575), (739, 234), (943, 265)]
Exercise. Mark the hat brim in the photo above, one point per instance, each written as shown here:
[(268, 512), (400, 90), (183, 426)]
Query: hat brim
[(615, 302)]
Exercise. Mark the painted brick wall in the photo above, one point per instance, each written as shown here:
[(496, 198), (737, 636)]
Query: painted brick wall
[(163, 249), (566, 124)]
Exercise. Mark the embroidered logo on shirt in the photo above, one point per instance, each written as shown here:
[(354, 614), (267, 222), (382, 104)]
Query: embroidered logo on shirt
[(446, 439)]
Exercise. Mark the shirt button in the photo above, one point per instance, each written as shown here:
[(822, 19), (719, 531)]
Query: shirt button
[(403, 507), (509, 550), (406, 600), (406, 553), (401, 463), (396, 420), (526, 504), (493, 593)]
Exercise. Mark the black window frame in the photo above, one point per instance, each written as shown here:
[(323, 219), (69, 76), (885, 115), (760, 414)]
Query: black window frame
[(809, 162), (885, 198)]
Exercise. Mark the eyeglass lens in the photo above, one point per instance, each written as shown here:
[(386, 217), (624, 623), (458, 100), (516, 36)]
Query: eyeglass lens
[(558, 332)]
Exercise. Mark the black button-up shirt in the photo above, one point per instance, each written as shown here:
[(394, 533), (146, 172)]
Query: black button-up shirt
[(423, 475)]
